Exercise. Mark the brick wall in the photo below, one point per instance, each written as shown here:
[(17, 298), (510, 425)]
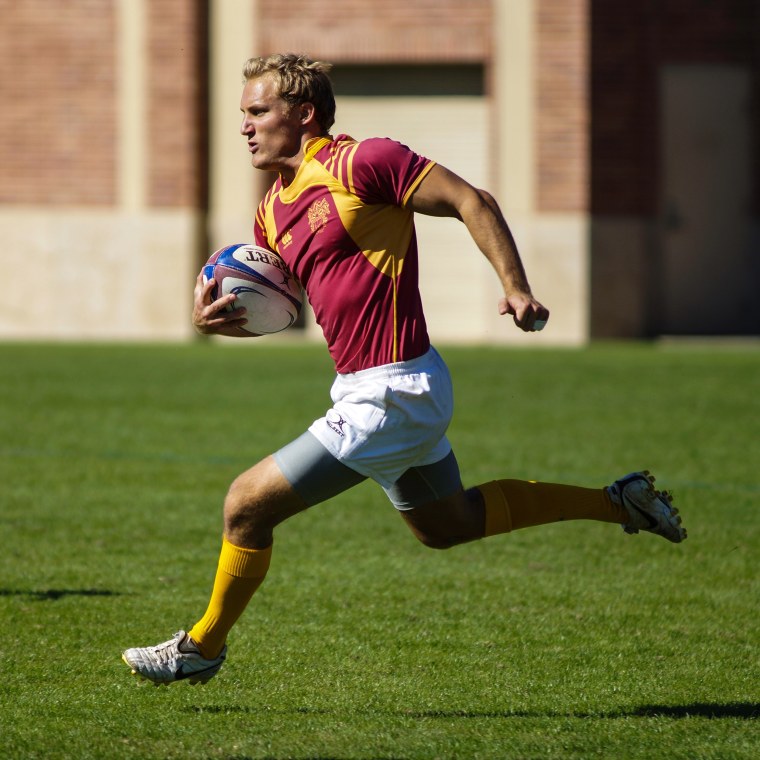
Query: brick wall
[(629, 42), (354, 31), (177, 103), (562, 113), (415, 31), (58, 95)]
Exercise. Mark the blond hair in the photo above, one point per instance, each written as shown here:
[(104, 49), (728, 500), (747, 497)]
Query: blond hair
[(300, 80)]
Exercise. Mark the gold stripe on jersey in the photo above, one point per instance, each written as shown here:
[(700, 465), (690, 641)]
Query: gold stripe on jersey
[(330, 164), (416, 183), (395, 314), (259, 218), (350, 168), (386, 255), (265, 217)]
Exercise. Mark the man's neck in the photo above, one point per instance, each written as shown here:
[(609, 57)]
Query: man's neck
[(288, 174)]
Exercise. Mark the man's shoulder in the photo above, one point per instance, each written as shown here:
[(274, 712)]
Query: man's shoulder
[(367, 145)]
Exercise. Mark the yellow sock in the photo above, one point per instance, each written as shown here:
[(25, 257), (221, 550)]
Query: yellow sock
[(240, 572), (514, 504)]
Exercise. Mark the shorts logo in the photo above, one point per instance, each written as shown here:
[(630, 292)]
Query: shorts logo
[(318, 213), (335, 422)]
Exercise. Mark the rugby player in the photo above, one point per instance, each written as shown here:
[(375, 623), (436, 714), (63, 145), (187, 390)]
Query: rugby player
[(341, 214)]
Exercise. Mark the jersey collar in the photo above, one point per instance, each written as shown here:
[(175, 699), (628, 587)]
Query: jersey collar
[(310, 149), (312, 146)]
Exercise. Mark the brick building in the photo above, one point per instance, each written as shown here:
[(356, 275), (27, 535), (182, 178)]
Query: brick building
[(620, 138)]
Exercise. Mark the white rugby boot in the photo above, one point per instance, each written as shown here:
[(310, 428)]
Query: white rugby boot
[(649, 509), (174, 660)]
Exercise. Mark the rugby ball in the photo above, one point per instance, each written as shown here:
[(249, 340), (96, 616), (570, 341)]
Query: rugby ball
[(262, 283)]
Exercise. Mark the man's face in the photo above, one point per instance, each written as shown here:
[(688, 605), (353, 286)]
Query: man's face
[(272, 128)]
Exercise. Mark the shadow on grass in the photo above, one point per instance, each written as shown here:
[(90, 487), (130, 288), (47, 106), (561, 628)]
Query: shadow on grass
[(52, 594), (713, 710), (746, 710)]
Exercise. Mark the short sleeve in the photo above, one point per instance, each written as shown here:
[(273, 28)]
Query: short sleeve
[(385, 171)]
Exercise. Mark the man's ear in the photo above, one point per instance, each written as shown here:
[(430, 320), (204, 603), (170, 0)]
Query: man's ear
[(307, 113)]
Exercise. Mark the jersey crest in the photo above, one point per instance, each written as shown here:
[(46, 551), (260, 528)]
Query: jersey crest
[(318, 213)]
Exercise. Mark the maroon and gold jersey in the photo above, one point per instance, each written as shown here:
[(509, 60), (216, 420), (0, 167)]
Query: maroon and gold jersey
[(344, 229)]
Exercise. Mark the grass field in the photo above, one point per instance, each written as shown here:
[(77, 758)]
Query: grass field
[(566, 641)]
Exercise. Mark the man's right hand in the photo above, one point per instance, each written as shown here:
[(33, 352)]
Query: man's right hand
[(210, 317)]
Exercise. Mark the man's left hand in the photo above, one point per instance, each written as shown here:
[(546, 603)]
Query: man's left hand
[(529, 315)]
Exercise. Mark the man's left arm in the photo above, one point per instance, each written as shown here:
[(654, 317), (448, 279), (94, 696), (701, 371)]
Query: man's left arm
[(443, 193)]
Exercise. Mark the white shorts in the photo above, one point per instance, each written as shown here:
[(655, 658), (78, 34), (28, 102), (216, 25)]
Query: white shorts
[(387, 419)]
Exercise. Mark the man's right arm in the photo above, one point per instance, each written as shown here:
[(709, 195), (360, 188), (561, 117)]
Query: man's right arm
[(210, 317)]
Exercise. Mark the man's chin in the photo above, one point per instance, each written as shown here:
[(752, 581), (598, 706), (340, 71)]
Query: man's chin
[(263, 166)]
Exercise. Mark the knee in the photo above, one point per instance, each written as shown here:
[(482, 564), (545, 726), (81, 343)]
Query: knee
[(256, 502), (437, 540), (241, 507), (448, 522)]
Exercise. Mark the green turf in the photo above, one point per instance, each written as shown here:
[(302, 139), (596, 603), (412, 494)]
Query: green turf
[(566, 641)]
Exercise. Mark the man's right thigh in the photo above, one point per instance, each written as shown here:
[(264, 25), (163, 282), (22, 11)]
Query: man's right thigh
[(313, 472)]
